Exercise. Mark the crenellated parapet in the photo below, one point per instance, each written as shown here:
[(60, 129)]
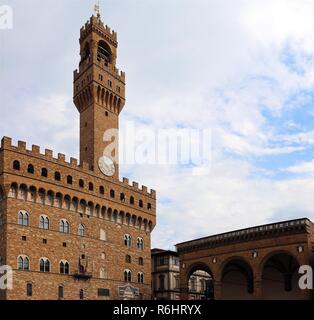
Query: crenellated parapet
[(95, 24), (80, 169)]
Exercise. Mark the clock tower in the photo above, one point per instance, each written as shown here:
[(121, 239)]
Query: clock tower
[(99, 96)]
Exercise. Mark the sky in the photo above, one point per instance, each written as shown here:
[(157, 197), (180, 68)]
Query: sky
[(242, 68)]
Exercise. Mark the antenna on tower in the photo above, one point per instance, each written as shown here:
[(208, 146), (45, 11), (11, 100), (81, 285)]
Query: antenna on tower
[(97, 9)]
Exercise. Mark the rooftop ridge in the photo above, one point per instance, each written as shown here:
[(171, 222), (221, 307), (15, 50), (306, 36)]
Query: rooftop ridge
[(6, 144), (238, 234)]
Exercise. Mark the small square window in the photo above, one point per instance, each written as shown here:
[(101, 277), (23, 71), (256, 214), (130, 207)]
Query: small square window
[(23, 238), (44, 241), (64, 244), (83, 256)]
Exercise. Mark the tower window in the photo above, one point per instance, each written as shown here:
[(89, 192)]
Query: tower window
[(101, 77), (16, 165), (81, 183), (104, 51), (101, 190), (140, 203), (122, 197), (141, 261), (69, 180), (57, 176), (106, 113), (30, 169), (149, 206), (131, 200), (112, 195), (44, 172), (91, 187), (110, 83)]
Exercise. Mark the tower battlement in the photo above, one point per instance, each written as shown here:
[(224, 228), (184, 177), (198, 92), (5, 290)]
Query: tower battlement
[(95, 24), (73, 163)]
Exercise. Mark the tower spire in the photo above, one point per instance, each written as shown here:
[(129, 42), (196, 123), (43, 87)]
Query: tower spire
[(97, 8)]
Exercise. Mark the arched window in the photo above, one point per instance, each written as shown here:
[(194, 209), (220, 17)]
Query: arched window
[(140, 243), (30, 169), (128, 259), (127, 240), (141, 261), (44, 172), (149, 206), (122, 197), (57, 176), (140, 277), (23, 263), (64, 226), (44, 265), (81, 230), (127, 276), (60, 292), (16, 165), (44, 222), (112, 195), (104, 52), (69, 180), (29, 289), (90, 187), (101, 190), (64, 267), (81, 183), (132, 200), (140, 203), (23, 218)]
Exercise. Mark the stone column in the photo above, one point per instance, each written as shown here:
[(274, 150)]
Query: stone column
[(258, 293), (217, 290)]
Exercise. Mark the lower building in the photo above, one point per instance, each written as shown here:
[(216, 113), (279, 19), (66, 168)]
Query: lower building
[(165, 275), (166, 278), (255, 263)]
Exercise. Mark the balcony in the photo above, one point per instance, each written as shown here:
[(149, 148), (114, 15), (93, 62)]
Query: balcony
[(82, 275)]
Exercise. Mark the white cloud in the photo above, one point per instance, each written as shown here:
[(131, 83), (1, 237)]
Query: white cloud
[(302, 168)]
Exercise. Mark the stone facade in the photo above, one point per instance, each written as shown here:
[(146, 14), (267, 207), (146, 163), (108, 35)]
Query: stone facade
[(109, 222), (256, 263)]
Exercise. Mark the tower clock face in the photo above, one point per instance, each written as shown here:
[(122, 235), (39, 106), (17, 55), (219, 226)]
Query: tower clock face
[(106, 166)]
